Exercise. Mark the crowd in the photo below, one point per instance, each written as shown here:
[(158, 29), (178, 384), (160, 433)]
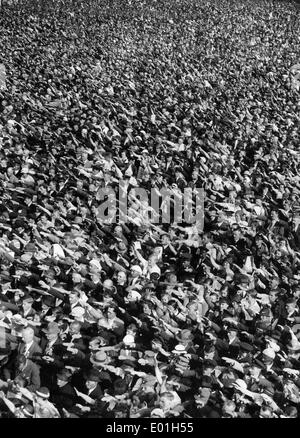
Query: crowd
[(132, 319)]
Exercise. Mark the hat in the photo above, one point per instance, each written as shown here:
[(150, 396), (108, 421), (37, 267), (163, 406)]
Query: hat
[(185, 335), (243, 278), (64, 375), (128, 339), (231, 327), (258, 364), (52, 328), (28, 411), (92, 376), (269, 352), (43, 392), (30, 247), (179, 349), (98, 358)]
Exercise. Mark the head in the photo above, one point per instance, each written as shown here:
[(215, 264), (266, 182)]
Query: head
[(52, 332), (255, 371), (74, 297), (76, 278), (202, 396), (111, 313), (28, 335), (268, 356), (75, 328), (63, 377), (265, 412), (121, 277)]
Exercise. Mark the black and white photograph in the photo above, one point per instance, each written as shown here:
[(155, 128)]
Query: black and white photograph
[(149, 211)]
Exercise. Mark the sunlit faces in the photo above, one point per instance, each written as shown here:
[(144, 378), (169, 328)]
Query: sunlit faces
[(27, 335), (121, 278), (74, 297)]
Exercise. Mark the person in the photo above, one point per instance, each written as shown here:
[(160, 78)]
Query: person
[(43, 408), (51, 357), (30, 347), (29, 371), (63, 395)]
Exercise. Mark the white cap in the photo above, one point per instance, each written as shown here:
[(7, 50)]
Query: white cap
[(128, 339), (179, 349), (269, 352)]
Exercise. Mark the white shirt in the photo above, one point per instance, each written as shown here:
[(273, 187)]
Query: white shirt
[(27, 348)]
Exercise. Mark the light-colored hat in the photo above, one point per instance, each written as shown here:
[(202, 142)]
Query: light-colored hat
[(128, 339), (98, 358), (43, 392), (269, 352), (179, 349)]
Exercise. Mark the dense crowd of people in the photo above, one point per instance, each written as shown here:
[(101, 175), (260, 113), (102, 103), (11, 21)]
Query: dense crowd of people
[(135, 319)]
